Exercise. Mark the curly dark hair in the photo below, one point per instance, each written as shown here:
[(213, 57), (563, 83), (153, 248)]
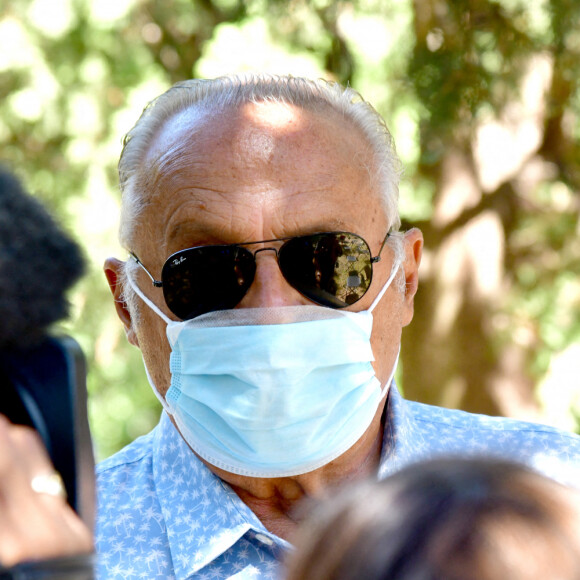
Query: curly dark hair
[(39, 262)]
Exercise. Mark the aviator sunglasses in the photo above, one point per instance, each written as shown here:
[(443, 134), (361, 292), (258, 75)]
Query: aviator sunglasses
[(333, 269)]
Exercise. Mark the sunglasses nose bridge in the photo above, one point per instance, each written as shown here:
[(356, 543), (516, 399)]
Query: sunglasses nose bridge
[(266, 249), (270, 287)]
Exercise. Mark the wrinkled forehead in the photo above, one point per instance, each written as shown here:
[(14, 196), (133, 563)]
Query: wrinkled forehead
[(262, 140), (253, 131)]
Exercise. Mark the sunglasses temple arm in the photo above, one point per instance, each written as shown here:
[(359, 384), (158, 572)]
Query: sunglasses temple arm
[(377, 258), (156, 283)]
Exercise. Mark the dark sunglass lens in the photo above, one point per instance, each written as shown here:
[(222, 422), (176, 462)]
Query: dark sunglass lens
[(205, 279), (331, 269)]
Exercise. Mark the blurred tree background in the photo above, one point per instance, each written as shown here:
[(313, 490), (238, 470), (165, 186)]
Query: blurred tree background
[(482, 97)]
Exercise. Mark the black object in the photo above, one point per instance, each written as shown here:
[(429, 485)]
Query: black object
[(39, 263), (43, 378), (45, 387), (66, 568)]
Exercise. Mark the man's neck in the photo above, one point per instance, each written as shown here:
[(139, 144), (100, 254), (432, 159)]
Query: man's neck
[(276, 502)]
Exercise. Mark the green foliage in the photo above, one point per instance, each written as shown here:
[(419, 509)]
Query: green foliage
[(472, 65)]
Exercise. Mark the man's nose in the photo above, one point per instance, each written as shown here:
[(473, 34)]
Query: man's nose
[(269, 287)]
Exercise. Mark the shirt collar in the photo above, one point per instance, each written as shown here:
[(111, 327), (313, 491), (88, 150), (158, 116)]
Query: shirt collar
[(189, 493), (402, 442)]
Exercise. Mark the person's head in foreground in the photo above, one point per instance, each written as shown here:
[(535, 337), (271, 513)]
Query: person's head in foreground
[(266, 201), (445, 519)]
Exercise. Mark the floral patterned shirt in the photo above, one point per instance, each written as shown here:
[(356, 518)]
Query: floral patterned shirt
[(163, 514)]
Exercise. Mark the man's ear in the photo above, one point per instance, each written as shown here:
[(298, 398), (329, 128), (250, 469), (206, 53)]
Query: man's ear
[(113, 269), (413, 246)]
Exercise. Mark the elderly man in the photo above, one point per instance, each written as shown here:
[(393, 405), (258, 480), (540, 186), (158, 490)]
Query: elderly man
[(267, 285)]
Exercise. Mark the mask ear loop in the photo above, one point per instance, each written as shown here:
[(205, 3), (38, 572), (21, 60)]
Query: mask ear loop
[(385, 389), (394, 271), (151, 305), (159, 396)]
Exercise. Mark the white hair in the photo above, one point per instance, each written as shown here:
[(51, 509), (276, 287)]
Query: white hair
[(230, 92)]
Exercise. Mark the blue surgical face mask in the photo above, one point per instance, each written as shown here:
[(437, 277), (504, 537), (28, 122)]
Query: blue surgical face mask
[(272, 392)]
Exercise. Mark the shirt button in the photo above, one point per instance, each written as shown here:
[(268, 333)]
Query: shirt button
[(264, 539)]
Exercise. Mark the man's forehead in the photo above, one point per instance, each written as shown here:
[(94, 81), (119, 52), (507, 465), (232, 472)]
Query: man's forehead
[(200, 123), (259, 163), (253, 135)]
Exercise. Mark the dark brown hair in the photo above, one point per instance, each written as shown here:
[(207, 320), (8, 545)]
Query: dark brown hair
[(445, 519), (39, 263)]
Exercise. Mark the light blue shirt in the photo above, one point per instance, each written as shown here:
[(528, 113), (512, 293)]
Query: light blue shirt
[(163, 514)]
